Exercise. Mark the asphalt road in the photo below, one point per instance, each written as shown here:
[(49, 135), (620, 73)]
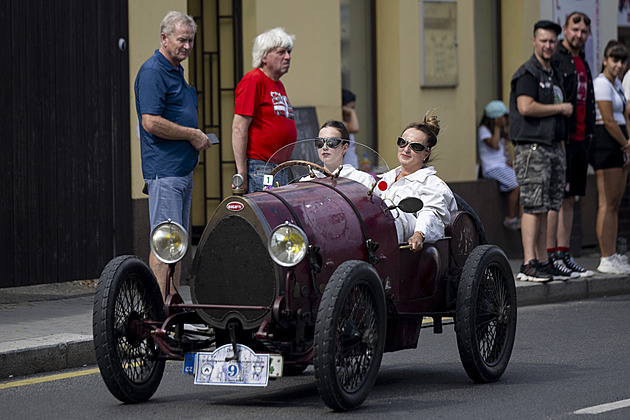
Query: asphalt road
[(567, 357)]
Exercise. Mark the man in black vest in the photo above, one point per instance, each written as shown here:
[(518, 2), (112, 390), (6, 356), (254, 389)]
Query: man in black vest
[(538, 116)]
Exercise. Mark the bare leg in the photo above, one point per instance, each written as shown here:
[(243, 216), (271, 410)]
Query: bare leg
[(565, 223), (541, 238), (513, 207), (529, 230), (552, 228), (611, 183), (160, 270)]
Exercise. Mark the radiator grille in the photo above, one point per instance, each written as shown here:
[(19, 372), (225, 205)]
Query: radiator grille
[(234, 268)]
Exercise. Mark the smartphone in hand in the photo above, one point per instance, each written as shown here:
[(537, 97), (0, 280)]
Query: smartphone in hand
[(213, 138)]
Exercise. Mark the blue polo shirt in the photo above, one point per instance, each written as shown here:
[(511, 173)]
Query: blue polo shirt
[(162, 90)]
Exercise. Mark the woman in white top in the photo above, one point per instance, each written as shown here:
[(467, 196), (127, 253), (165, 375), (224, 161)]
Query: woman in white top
[(609, 154), (414, 178), (495, 163), (332, 144)]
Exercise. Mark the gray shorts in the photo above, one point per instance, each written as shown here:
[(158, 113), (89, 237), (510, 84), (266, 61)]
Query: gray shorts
[(541, 173), (170, 198)]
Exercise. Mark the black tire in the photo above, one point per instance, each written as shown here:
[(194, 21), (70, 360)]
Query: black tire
[(464, 206), (349, 335), (127, 292), (485, 320)]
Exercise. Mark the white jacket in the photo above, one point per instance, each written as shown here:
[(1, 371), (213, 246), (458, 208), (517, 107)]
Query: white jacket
[(437, 197), (348, 171)]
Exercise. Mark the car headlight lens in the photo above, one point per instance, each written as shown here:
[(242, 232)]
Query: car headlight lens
[(169, 242), (287, 245)]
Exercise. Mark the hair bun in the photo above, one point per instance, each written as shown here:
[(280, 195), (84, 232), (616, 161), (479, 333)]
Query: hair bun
[(432, 122)]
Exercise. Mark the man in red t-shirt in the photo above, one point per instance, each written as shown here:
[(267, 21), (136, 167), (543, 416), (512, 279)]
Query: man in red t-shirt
[(578, 86), (263, 116)]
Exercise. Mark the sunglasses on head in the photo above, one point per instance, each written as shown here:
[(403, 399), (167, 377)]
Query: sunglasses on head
[(579, 17), (416, 147), (331, 142)]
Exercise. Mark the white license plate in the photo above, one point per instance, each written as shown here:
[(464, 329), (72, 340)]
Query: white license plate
[(221, 367)]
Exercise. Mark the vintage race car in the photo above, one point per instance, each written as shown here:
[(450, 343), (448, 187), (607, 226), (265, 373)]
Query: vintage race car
[(310, 273)]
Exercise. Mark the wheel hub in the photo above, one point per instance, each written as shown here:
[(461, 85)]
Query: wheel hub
[(369, 337)]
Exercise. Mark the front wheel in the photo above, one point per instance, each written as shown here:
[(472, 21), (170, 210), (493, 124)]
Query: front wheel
[(485, 320), (127, 294), (349, 335)]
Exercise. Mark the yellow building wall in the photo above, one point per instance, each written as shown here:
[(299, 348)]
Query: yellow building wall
[(402, 100), (145, 17), (517, 24), (314, 78)]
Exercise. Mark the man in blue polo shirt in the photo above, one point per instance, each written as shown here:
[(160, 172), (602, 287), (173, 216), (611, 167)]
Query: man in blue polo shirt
[(169, 133)]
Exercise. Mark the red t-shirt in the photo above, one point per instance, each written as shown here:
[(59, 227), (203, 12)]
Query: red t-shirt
[(580, 99), (273, 124)]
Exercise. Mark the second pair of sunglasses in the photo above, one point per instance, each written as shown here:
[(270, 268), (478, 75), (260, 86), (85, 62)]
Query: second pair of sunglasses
[(416, 147), (331, 142)]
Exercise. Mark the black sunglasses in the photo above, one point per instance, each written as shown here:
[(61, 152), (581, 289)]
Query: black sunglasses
[(579, 17), (331, 142), (416, 147)]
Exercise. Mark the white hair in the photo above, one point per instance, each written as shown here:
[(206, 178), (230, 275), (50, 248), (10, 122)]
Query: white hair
[(172, 18), (269, 41)]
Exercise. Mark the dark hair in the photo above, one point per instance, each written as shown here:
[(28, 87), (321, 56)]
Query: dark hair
[(339, 126), (615, 49), (490, 123), (347, 96), (487, 121), (577, 17), (429, 126)]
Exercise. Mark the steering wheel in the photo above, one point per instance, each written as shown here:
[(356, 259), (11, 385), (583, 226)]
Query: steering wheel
[(309, 165)]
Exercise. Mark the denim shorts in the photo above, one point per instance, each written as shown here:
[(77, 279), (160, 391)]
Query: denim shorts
[(256, 171), (170, 198), (541, 173)]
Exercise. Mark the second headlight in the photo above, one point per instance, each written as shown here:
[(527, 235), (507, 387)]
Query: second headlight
[(287, 245)]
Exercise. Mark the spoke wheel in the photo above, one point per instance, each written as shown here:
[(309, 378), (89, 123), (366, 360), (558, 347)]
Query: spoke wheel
[(127, 294), (349, 335), (485, 320)]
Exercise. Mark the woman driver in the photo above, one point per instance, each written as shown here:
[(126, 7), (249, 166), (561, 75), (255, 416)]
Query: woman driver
[(332, 144), (414, 178)]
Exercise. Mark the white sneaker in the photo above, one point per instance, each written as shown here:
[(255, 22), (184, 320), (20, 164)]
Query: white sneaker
[(622, 259), (611, 265)]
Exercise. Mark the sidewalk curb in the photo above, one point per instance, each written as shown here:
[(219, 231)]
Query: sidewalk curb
[(70, 351), (561, 291)]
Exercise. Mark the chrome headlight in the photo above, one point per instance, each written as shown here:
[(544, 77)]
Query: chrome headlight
[(287, 245), (169, 242)]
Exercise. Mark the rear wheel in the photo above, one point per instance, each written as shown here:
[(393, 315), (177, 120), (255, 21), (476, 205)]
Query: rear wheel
[(464, 206), (349, 335), (485, 320), (127, 294)]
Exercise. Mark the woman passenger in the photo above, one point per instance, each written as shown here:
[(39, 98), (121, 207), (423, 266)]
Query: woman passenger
[(609, 154), (332, 144), (416, 179)]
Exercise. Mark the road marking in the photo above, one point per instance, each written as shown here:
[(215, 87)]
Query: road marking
[(48, 378), (602, 408)]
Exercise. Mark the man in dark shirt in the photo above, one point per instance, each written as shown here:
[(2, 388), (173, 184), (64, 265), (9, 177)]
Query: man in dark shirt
[(169, 133), (578, 87), (537, 127)]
